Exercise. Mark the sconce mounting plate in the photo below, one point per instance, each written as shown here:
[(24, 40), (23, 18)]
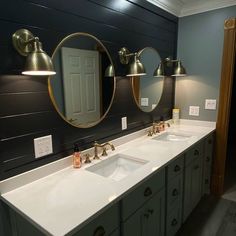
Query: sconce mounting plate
[(124, 55), (21, 39)]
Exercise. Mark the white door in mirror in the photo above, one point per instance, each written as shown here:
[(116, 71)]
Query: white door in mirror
[(43, 146)]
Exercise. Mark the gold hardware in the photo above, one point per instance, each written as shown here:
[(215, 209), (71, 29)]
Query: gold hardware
[(104, 151), (150, 133), (103, 146), (87, 158)]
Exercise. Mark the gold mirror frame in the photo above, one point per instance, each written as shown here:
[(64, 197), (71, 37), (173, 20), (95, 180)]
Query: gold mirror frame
[(50, 77), (135, 82)]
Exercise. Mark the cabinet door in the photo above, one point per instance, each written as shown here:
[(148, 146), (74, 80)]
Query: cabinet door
[(148, 220), (103, 225), (207, 164), (193, 186)]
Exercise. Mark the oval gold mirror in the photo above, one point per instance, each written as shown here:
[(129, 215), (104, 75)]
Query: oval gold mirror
[(83, 88), (147, 89)]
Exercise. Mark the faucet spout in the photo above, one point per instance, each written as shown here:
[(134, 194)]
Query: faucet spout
[(103, 146)]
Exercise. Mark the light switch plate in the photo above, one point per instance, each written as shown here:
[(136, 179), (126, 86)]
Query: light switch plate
[(124, 123), (194, 110), (43, 146), (144, 102), (210, 104)]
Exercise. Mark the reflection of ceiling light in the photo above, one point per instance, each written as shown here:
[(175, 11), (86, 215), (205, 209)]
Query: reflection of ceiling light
[(155, 168), (37, 62), (121, 4), (136, 68), (111, 198)]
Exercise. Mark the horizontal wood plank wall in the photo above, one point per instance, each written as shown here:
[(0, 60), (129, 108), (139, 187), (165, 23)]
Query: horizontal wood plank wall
[(26, 110)]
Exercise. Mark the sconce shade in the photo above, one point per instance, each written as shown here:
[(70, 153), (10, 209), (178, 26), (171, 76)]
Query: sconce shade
[(179, 70), (159, 72), (136, 68), (37, 62), (109, 72)]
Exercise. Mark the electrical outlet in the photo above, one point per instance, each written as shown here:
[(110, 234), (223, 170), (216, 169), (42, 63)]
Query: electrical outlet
[(194, 110), (210, 104), (43, 146), (124, 123)]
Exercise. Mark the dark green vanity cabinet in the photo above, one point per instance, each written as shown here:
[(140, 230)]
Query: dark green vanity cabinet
[(157, 206), (106, 224), (174, 196), (207, 163), (193, 178), (143, 210)]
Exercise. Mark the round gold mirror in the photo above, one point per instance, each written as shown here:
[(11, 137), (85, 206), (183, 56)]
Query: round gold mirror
[(83, 88), (147, 89)]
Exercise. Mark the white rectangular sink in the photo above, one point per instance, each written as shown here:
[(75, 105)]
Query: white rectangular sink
[(173, 136), (117, 167)]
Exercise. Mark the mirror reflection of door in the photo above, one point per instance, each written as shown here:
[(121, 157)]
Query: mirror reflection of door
[(81, 86), (81, 91)]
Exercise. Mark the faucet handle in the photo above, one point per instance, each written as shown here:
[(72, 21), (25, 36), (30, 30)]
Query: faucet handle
[(104, 151), (150, 133), (87, 158)]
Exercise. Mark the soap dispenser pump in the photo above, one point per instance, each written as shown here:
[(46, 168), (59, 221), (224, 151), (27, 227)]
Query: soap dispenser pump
[(76, 157)]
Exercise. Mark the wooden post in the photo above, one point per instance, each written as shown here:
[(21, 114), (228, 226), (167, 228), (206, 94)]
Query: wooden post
[(226, 84)]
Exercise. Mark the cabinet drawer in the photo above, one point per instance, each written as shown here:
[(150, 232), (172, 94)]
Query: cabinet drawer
[(173, 221), (175, 167), (175, 192), (104, 224), (193, 153), (142, 193), (147, 220)]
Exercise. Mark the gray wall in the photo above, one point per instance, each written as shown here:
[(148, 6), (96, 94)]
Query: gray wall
[(200, 45)]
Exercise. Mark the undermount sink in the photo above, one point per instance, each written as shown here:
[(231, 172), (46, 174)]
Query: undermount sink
[(173, 136), (117, 167)]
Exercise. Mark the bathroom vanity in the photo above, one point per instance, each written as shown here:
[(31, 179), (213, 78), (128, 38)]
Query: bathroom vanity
[(154, 185)]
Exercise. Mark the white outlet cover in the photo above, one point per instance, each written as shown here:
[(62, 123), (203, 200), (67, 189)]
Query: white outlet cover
[(124, 123), (194, 110), (144, 102), (43, 146), (210, 104)]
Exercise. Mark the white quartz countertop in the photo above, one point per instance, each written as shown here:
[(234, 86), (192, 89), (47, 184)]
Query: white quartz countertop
[(68, 198)]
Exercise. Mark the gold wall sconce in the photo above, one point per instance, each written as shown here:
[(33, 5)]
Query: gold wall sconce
[(109, 72), (38, 63), (179, 70), (135, 68)]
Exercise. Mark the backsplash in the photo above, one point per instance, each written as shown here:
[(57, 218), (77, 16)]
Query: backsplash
[(26, 109)]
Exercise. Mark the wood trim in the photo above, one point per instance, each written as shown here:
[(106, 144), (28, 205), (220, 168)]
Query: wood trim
[(226, 84)]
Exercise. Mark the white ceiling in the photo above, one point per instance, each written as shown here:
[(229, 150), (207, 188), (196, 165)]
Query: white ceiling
[(182, 8)]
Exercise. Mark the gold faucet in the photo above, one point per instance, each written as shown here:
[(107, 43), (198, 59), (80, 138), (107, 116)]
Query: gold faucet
[(103, 146), (157, 127)]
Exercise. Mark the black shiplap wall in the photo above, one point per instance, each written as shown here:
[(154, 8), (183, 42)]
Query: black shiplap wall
[(26, 110)]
